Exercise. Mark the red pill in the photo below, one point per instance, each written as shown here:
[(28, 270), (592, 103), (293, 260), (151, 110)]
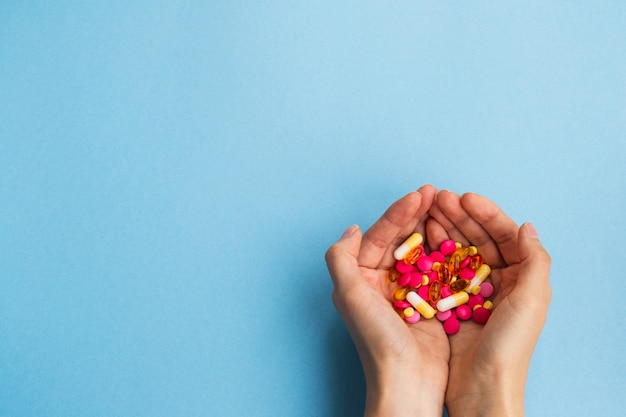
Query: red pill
[(425, 263), (475, 300), (447, 247), (416, 279), (404, 279), (437, 256), (403, 267), (481, 315)]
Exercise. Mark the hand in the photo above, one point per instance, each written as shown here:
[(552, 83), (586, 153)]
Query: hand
[(489, 364), (402, 362)]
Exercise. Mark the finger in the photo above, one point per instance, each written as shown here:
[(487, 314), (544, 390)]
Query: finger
[(446, 204), (495, 227), (534, 273), (392, 228), (435, 234), (341, 259)]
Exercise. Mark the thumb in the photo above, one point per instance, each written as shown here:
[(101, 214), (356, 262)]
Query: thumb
[(534, 263), (341, 258)]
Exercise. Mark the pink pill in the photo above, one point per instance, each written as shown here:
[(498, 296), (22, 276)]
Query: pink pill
[(451, 326), (475, 300), (447, 247), (432, 276), (416, 279), (423, 291), (445, 291), (481, 315), (437, 256), (403, 268), (464, 312), (467, 273), (486, 289), (465, 262), (444, 315), (414, 318), (401, 304), (404, 279), (425, 263)]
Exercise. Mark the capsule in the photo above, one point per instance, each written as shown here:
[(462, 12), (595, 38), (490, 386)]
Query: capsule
[(459, 285), (451, 301), (444, 274), (392, 275), (434, 292), (413, 255), (481, 274), (411, 243), (420, 305), (476, 262)]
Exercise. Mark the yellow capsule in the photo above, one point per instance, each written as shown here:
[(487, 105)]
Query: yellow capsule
[(408, 312), (452, 301), (420, 305), (488, 305), (475, 290), (409, 244)]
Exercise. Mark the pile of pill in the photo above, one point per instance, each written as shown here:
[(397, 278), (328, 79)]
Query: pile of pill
[(448, 283)]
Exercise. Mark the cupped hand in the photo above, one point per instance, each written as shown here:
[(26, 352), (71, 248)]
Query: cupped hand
[(404, 358), (489, 364)]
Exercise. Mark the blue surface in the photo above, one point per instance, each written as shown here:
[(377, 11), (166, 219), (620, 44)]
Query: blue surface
[(171, 174)]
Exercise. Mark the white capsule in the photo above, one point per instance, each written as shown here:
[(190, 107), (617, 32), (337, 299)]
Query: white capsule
[(411, 243), (481, 274), (452, 301), (420, 305)]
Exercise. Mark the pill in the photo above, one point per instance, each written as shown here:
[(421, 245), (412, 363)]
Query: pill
[(476, 262), (463, 312), (486, 289), (392, 275), (434, 293), (451, 326), (444, 274), (447, 247), (425, 263), (467, 273), (420, 305), (404, 279), (425, 280), (401, 304), (416, 279), (481, 315), (488, 305), (437, 256), (458, 285), (473, 250), (481, 274), (400, 293), (408, 312), (452, 301), (465, 262), (475, 300), (410, 243), (445, 291), (413, 255), (403, 267), (413, 319), (423, 291), (444, 315)]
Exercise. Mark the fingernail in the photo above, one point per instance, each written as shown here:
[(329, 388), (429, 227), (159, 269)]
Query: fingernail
[(532, 232), (350, 231)]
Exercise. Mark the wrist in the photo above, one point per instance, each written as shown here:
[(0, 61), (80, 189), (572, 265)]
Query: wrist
[(487, 396), (401, 391)]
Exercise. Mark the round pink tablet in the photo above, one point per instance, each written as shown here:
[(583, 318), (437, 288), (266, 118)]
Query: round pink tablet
[(464, 312), (416, 279), (432, 276), (447, 247), (481, 315), (451, 326), (414, 318), (444, 315), (486, 289), (445, 291), (425, 263), (475, 300), (404, 279), (403, 267), (437, 256), (401, 304), (423, 292), (467, 273)]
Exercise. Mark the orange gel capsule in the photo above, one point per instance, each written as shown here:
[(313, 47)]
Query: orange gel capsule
[(392, 275), (459, 285), (444, 274), (400, 294), (434, 292), (413, 255), (476, 262), (455, 265)]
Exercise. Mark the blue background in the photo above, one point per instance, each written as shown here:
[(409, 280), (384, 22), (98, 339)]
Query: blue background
[(172, 172)]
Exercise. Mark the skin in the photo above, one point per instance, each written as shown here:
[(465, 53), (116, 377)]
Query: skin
[(413, 369)]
